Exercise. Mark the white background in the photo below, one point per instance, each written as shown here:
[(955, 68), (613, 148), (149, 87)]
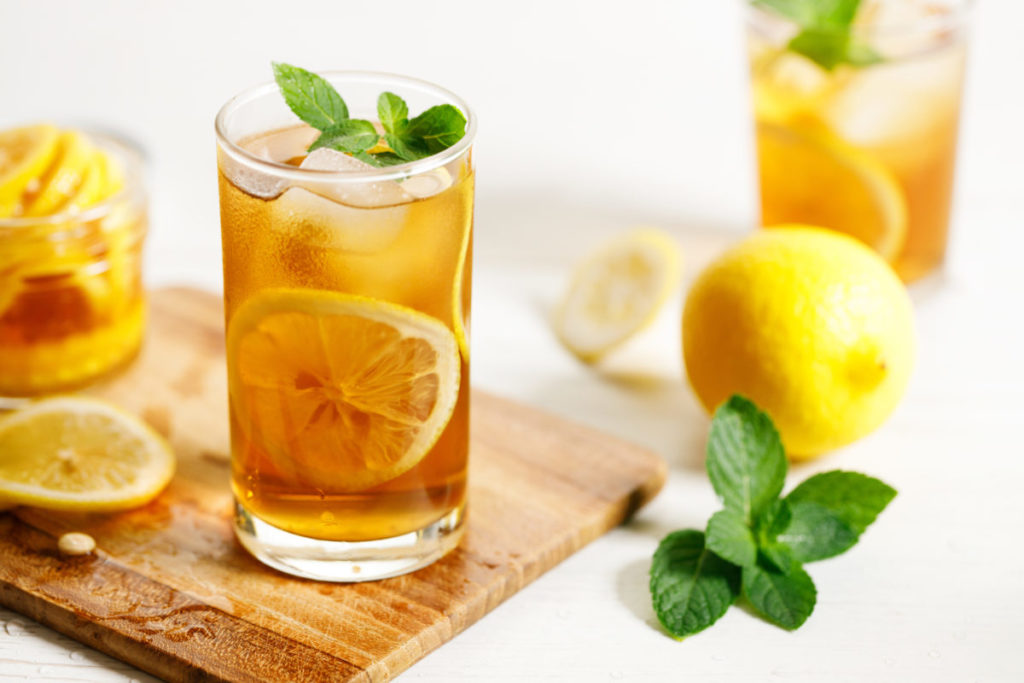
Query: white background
[(596, 116)]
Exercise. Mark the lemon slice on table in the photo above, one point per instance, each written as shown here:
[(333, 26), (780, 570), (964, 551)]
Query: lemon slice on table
[(617, 291), (80, 454), (341, 391), (25, 153), (812, 177)]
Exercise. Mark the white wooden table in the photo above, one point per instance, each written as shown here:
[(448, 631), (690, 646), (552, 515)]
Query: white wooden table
[(933, 592)]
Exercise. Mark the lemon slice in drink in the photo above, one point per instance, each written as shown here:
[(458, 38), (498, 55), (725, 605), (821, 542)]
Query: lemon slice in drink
[(461, 292), (617, 291), (342, 392), (812, 177), (80, 454), (25, 153)]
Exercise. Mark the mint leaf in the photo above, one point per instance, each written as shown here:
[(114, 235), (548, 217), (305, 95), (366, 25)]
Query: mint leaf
[(691, 587), (772, 522), (745, 458), (855, 499), (407, 148), (815, 533), (824, 46), (826, 31), (312, 98), (350, 135), (799, 11), (437, 129), (392, 111), (730, 538), (859, 53), (379, 159), (778, 556), (837, 13), (783, 599)]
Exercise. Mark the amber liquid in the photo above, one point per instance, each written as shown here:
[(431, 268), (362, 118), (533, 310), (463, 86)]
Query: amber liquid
[(266, 245), (903, 114)]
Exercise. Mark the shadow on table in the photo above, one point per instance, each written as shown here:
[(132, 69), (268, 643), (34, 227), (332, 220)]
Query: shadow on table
[(631, 586), (652, 412)]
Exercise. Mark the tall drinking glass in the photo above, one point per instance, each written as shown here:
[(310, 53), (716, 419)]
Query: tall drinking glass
[(347, 299), (865, 145)]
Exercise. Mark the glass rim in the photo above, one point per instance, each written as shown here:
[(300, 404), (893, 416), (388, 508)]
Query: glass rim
[(959, 13), (396, 172), (131, 156)]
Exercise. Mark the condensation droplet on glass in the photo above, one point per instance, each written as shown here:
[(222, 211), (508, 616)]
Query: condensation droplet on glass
[(327, 517)]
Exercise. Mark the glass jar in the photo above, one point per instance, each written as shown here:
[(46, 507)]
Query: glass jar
[(72, 306)]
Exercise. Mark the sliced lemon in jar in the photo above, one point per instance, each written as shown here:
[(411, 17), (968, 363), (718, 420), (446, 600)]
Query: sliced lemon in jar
[(617, 291), (65, 176), (80, 454), (812, 177), (341, 391), (25, 154)]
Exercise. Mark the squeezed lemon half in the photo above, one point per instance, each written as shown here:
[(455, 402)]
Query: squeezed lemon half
[(617, 291)]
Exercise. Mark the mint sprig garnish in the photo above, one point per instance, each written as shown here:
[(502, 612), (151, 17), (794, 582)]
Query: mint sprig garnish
[(826, 31), (757, 545), (314, 100)]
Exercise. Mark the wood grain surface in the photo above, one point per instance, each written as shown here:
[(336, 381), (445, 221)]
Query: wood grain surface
[(172, 592)]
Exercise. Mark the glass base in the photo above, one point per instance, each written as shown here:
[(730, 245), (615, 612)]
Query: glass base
[(343, 561)]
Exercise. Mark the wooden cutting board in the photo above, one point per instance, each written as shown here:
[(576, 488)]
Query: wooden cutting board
[(171, 591)]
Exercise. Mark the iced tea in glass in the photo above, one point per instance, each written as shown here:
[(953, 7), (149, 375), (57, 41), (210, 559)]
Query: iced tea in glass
[(347, 300), (869, 147)]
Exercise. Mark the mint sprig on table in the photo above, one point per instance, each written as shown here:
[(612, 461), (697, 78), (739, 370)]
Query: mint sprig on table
[(314, 100), (757, 544), (826, 31)]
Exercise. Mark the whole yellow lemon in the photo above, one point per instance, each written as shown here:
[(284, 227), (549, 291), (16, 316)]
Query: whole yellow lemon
[(811, 325)]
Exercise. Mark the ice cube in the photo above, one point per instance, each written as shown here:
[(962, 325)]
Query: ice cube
[(797, 75), (364, 194), (903, 29), (897, 102), (428, 184), (249, 180), (281, 145), (324, 223), (326, 159)]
